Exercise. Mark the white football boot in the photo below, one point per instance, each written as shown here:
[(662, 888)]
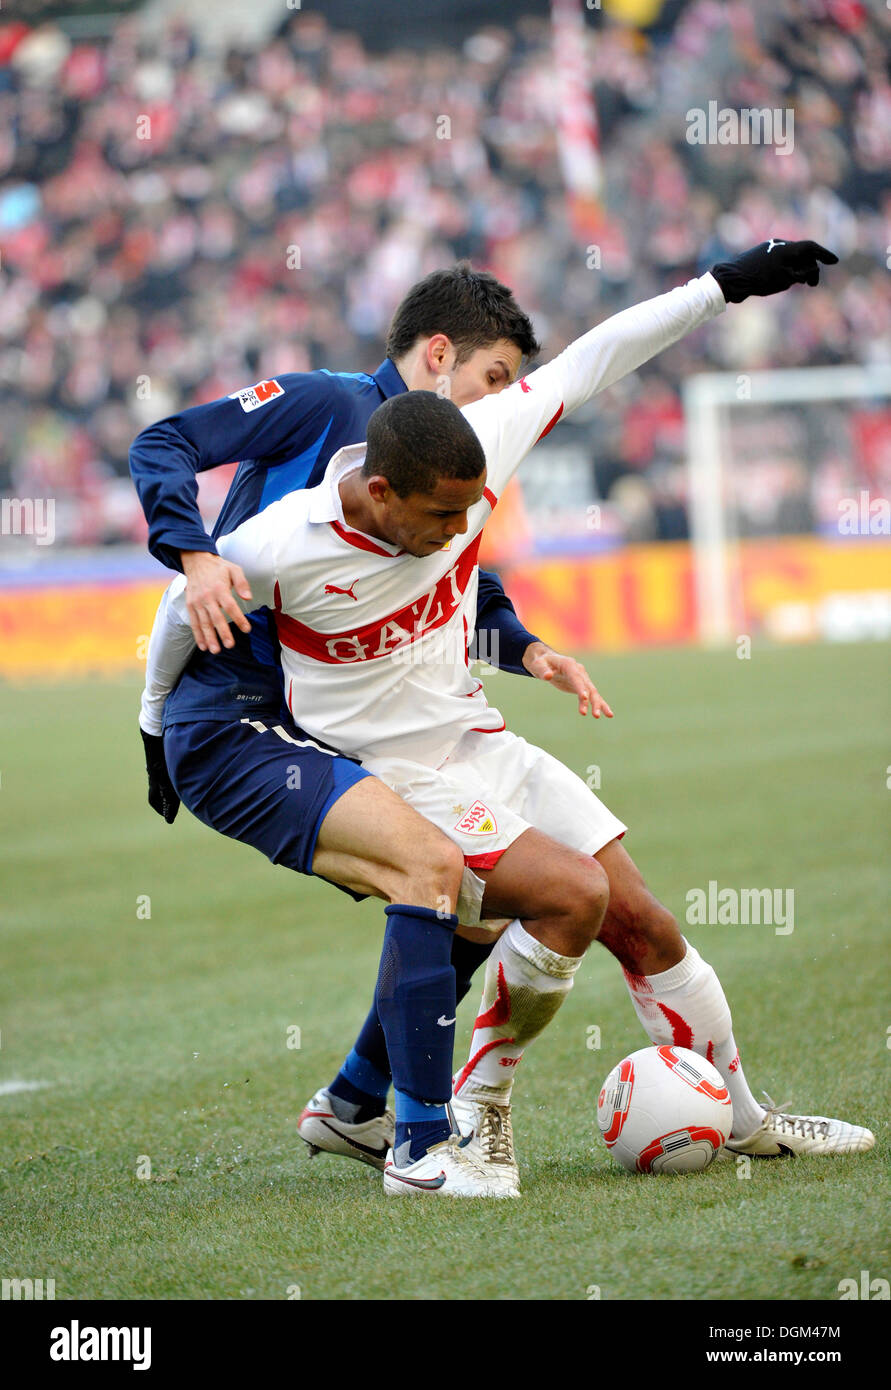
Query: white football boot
[(447, 1169), (805, 1135), (491, 1139), (323, 1132)]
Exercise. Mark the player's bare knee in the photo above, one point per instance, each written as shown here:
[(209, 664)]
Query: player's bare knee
[(434, 879), (446, 868), (587, 898), (596, 898)]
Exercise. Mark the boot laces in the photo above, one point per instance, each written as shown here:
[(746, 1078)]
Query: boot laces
[(496, 1134), (468, 1160), (808, 1127)]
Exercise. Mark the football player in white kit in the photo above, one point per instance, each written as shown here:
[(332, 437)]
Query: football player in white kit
[(372, 577)]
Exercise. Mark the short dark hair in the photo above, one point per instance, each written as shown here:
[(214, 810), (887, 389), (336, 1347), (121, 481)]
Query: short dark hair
[(470, 306), (418, 437)]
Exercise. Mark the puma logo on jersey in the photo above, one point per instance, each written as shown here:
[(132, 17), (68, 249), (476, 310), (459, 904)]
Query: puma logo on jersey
[(771, 244), (333, 589), (383, 635)]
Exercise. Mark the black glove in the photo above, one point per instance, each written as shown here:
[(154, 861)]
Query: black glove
[(162, 793), (771, 267)]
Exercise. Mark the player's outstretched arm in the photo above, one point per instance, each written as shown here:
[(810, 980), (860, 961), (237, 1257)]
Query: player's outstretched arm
[(511, 422), (624, 342), (565, 673), (771, 268)]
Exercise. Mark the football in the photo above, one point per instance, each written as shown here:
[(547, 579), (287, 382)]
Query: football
[(664, 1110)]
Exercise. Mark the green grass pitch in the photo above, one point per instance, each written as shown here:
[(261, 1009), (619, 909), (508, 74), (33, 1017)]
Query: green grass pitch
[(166, 1037)]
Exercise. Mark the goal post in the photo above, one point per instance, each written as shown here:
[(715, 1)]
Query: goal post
[(708, 400)]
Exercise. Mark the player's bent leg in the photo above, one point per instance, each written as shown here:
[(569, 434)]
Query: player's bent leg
[(304, 806), (488, 797), (678, 998), (558, 893), (274, 788), (407, 860), (410, 860), (676, 995), (642, 934), (373, 842), (349, 1117), (557, 897)]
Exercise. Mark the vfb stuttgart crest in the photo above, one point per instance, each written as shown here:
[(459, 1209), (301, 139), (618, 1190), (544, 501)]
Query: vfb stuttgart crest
[(478, 820)]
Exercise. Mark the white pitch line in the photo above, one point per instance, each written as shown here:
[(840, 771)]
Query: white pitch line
[(10, 1088)]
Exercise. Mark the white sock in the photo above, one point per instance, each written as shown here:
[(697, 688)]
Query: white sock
[(687, 1006), (524, 987)]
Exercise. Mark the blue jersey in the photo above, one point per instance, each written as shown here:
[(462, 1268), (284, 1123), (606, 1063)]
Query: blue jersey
[(285, 431)]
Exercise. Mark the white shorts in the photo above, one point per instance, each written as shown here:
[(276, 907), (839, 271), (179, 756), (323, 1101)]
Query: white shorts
[(492, 788)]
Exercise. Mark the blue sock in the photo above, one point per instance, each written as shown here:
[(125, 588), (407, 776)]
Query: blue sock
[(467, 957), (359, 1090), (361, 1085), (416, 1006), (418, 1128)]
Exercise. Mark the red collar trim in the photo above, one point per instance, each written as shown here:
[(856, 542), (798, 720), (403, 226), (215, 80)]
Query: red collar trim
[(363, 542)]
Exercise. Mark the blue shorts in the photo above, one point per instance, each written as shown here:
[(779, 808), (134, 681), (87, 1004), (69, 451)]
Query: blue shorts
[(260, 782)]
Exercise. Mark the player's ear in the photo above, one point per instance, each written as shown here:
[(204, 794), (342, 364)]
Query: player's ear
[(379, 489), (439, 353)]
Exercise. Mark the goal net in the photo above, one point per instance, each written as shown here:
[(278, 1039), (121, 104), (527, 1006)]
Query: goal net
[(789, 481)]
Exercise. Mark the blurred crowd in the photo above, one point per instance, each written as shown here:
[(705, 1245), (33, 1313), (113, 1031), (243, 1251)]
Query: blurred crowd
[(177, 221)]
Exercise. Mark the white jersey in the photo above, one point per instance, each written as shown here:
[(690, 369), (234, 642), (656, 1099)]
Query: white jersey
[(374, 641)]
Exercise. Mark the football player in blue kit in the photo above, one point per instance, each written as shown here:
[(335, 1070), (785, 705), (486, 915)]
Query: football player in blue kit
[(229, 749)]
